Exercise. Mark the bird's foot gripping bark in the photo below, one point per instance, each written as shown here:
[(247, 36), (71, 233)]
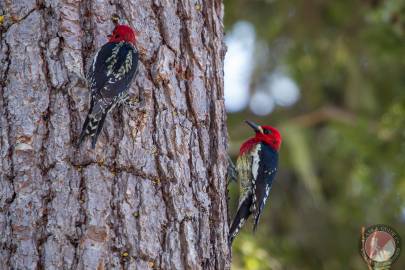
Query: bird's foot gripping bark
[(232, 173)]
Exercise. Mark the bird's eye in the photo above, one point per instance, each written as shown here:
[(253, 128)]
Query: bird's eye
[(117, 36), (266, 131)]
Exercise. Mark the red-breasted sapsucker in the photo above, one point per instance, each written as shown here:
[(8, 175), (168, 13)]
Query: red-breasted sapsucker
[(109, 78), (256, 168)]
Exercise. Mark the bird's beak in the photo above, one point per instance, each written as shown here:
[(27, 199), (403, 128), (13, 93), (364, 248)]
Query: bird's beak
[(255, 127)]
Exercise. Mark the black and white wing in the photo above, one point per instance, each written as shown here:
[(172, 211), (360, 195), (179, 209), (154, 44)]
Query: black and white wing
[(113, 70), (110, 76), (264, 170)]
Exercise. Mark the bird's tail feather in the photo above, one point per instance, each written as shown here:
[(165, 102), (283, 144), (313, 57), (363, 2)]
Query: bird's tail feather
[(92, 127), (240, 218), (97, 131)]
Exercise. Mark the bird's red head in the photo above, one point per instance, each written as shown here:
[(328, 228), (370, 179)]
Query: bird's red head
[(266, 134), (123, 33)]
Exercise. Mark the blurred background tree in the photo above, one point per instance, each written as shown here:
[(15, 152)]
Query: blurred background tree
[(331, 76)]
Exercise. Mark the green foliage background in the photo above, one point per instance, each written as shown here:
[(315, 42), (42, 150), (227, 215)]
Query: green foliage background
[(343, 154)]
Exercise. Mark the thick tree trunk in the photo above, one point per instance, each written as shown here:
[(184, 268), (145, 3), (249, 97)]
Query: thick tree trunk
[(152, 195)]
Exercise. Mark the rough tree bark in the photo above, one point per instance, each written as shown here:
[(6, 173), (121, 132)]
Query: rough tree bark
[(152, 195)]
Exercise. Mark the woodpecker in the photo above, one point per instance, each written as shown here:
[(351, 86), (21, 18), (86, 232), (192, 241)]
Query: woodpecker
[(256, 168), (109, 78)]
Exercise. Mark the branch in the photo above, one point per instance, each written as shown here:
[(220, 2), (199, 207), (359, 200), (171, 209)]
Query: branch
[(325, 114)]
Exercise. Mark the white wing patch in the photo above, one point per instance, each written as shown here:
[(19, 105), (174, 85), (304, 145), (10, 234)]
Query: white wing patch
[(90, 74), (255, 171), (95, 60), (112, 60), (125, 67), (256, 160)]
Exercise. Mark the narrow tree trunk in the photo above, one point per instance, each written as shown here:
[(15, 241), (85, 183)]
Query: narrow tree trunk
[(152, 195)]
